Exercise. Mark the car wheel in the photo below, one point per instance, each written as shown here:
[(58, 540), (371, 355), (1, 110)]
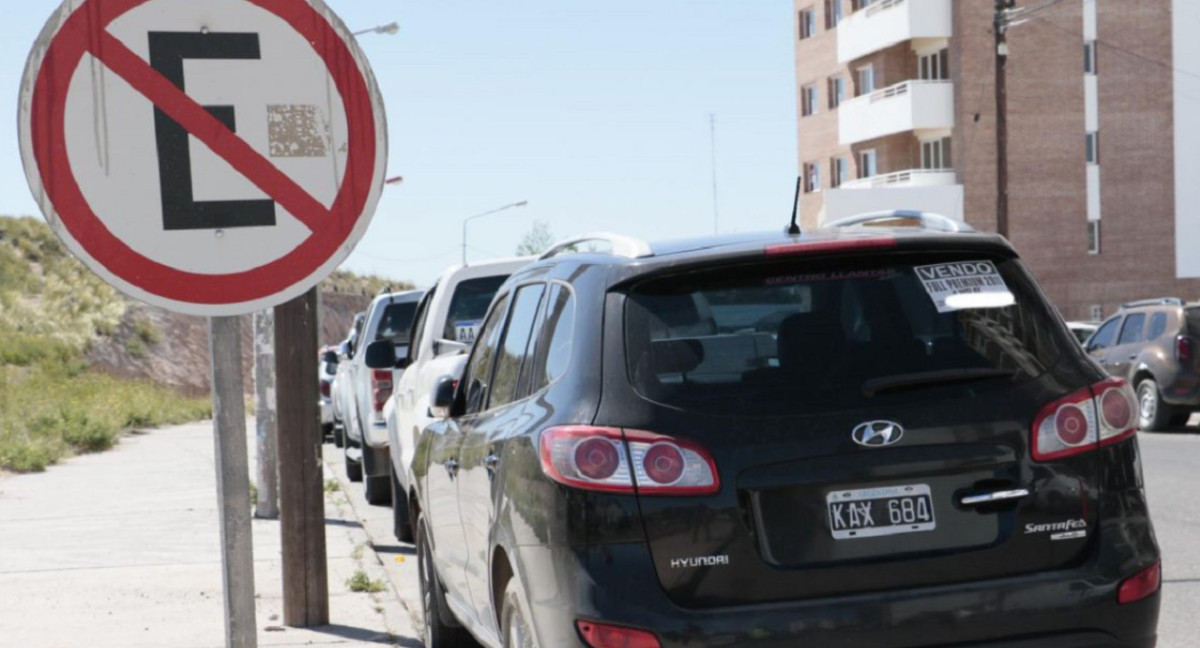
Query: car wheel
[(326, 431), (376, 488), (515, 622), (441, 630), (339, 436), (353, 468), (1180, 418), (1153, 413), (401, 523)]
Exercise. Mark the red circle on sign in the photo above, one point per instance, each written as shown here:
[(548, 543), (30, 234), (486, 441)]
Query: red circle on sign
[(84, 32)]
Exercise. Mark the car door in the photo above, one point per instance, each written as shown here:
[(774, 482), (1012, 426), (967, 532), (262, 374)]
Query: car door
[(401, 440), (1103, 340), (442, 515), (484, 435), (1129, 343)]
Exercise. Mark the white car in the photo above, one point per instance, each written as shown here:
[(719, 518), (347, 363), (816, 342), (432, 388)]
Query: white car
[(389, 318), (447, 320), (326, 371), (337, 393)]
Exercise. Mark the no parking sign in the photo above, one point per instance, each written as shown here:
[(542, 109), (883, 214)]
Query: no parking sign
[(214, 157)]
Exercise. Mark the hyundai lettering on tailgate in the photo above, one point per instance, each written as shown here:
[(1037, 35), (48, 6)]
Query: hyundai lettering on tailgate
[(872, 512)]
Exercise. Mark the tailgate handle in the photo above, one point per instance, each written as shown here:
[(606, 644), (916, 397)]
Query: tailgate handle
[(996, 496)]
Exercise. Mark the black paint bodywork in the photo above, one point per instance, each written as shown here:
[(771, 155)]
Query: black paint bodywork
[(982, 581)]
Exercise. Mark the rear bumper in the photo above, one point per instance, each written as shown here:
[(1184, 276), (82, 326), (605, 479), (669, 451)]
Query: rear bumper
[(326, 412), (1070, 609)]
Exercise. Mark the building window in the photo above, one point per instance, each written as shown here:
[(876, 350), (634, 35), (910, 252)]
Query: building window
[(833, 13), (808, 23), (1097, 312), (935, 154), (862, 4), (1093, 147), (1093, 237), (936, 66), (808, 100), (812, 177), (1089, 57), (839, 169), (866, 81), (866, 164), (837, 91)]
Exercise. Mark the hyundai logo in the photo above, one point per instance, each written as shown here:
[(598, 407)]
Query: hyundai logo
[(876, 434)]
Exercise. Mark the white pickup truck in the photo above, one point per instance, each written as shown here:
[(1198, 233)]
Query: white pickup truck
[(447, 320), (389, 319)]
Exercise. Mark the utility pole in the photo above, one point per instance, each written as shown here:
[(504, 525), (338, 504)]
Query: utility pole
[(999, 29), (712, 131), (267, 506)]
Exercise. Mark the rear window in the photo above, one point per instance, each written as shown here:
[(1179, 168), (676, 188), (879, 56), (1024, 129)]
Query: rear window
[(468, 306), (396, 323), (1193, 320), (787, 337)]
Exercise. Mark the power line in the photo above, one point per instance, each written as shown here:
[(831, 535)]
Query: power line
[(1118, 48)]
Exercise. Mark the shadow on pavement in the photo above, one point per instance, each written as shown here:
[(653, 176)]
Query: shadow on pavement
[(343, 523), (407, 550), (370, 636)]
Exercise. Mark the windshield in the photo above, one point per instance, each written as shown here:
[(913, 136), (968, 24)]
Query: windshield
[(782, 337), (468, 306)]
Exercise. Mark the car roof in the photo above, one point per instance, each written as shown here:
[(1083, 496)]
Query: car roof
[(486, 268)]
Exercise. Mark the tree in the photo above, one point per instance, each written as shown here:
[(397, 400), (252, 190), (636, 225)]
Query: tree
[(538, 239)]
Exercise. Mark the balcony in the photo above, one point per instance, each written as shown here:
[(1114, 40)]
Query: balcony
[(906, 178), (889, 22), (907, 106), (944, 199)]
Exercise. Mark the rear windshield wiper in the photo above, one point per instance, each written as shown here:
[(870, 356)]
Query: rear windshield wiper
[(927, 378)]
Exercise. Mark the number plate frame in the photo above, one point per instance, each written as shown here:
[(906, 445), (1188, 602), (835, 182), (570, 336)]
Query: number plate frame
[(873, 502)]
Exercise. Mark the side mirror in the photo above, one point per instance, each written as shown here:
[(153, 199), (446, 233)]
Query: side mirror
[(380, 355), (330, 357), (449, 347), (403, 363), (443, 397)]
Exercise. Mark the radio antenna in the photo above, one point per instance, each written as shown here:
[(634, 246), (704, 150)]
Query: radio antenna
[(794, 229)]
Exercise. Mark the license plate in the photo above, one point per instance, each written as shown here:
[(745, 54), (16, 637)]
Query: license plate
[(873, 512)]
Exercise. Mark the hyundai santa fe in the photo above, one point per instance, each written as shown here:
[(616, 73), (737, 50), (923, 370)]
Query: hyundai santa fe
[(862, 437)]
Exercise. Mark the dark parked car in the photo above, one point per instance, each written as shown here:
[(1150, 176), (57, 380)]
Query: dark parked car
[(861, 437), (1155, 345)]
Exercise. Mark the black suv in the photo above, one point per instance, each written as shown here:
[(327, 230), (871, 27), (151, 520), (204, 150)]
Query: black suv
[(858, 437), (1155, 345)]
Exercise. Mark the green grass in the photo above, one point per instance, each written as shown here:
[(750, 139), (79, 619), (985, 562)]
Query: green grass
[(360, 582), (49, 412)]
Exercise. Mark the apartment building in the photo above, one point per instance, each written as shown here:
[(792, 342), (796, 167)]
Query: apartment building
[(897, 110)]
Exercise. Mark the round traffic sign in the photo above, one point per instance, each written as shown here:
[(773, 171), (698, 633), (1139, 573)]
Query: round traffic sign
[(214, 157)]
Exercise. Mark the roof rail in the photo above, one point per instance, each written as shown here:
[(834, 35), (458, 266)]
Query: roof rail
[(928, 221), (620, 245), (1158, 301)]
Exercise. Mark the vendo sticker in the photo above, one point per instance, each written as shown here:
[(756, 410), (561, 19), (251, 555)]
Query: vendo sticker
[(943, 281)]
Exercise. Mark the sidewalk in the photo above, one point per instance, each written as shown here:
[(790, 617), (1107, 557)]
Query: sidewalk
[(121, 550)]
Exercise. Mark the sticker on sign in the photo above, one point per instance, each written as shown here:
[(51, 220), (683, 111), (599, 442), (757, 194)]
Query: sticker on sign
[(965, 284), (215, 157)]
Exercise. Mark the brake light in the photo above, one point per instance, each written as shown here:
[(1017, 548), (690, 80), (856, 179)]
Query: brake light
[(1140, 585), (602, 635), (836, 245), (1185, 349), (325, 388), (626, 461), (1084, 420), (381, 387)]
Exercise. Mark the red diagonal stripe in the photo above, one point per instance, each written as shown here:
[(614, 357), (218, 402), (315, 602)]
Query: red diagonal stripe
[(206, 128)]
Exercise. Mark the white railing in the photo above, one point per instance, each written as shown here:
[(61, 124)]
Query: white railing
[(886, 23), (906, 178), (909, 105)]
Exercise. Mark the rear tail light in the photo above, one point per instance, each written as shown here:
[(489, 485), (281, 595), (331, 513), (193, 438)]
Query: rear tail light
[(626, 461), (602, 635), (1084, 420), (1185, 349), (835, 245), (381, 387), (325, 388), (1140, 585)]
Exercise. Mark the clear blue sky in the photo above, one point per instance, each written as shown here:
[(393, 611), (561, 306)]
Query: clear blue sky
[(596, 113)]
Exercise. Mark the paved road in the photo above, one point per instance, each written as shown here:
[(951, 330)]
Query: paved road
[(1172, 469)]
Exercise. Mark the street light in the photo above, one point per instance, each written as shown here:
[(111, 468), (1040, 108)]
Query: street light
[(471, 218), (387, 30)]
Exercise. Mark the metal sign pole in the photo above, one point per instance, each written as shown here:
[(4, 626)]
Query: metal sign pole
[(233, 481)]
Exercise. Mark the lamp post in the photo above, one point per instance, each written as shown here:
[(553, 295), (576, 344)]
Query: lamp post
[(471, 218), (388, 29)]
